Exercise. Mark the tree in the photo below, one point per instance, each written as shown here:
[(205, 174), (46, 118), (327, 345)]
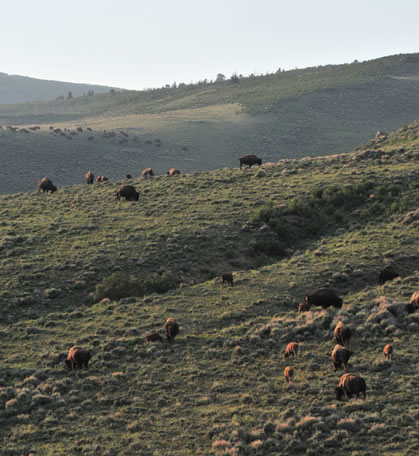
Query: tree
[(220, 77), (69, 96), (234, 78)]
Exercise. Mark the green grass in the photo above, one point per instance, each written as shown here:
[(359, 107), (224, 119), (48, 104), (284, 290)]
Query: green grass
[(219, 389)]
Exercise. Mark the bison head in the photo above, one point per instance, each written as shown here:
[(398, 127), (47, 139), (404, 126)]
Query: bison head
[(339, 393)]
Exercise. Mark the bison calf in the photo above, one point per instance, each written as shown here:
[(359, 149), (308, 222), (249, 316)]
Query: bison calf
[(340, 355), (171, 329), (349, 385), (153, 337), (77, 358), (292, 349), (147, 173), (227, 277), (342, 333), (288, 374), (388, 352)]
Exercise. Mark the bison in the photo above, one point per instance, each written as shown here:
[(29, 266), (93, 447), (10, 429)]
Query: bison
[(303, 307), (340, 355), (292, 349), (46, 185), (388, 352), (101, 179), (249, 160), (413, 305), (227, 277), (77, 358), (342, 333), (90, 178), (349, 385), (147, 173), (386, 274), (153, 337), (173, 172), (128, 176), (171, 329), (324, 297), (288, 374), (128, 192)]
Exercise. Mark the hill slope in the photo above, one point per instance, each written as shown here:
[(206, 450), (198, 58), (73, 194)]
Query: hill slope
[(310, 112), (219, 388), (22, 89)]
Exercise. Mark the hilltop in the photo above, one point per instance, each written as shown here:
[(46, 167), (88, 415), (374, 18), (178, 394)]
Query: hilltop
[(208, 125), (24, 89), (284, 229)]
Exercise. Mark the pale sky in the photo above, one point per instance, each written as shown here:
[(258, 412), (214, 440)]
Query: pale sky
[(137, 44)]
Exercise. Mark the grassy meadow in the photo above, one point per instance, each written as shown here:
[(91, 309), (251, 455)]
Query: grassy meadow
[(284, 229)]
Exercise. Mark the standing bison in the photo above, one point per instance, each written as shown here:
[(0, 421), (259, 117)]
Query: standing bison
[(388, 352), (147, 173), (288, 374), (173, 172), (171, 329), (340, 355), (46, 185), (227, 277), (386, 274), (90, 178), (249, 160), (292, 349), (342, 333), (77, 358), (128, 192), (323, 297), (349, 385), (413, 305)]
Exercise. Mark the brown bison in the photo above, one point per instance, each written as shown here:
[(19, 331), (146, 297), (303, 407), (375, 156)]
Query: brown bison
[(90, 178), (128, 192), (324, 297), (413, 305), (386, 274), (303, 307), (349, 385), (101, 179), (288, 374), (227, 277), (147, 173), (249, 160), (171, 329), (292, 349), (342, 333), (153, 337), (46, 185), (77, 358), (173, 172), (340, 355), (388, 352)]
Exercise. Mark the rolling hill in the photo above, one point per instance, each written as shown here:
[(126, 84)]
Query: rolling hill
[(79, 267), (205, 126)]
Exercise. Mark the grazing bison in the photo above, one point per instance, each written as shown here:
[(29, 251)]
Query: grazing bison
[(249, 160), (173, 172), (388, 352), (171, 328), (413, 305), (128, 192), (342, 333), (386, 274), (101, 179), (147, 173), (303, 307), (46, 185), (90, 178), (292, 349), (128, 176), (153, 337), (227, 277), (324, 297), (349, 385), (340, 355), (288, 374), (77, 358)]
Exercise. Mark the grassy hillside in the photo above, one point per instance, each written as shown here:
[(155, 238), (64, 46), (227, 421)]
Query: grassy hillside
[(22, 89), (292, 114), (284, 230)]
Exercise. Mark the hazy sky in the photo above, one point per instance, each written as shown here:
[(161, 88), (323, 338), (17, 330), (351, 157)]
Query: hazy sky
[(148, 43)]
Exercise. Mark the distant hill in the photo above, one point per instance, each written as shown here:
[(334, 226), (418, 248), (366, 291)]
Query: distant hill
[(22, 89), (204, 126)]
